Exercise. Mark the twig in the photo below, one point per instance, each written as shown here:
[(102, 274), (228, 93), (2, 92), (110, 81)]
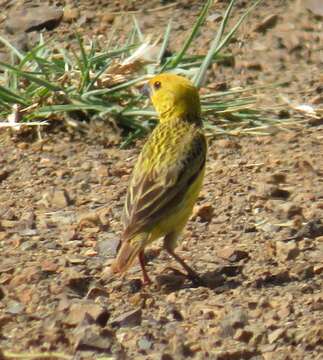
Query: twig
[(156, 9), (34, 123), (36, 356)]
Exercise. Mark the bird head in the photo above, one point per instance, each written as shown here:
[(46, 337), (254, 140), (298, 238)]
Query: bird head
[(174, 96)]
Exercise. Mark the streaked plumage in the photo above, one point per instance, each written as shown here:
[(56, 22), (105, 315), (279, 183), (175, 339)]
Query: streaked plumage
[(168, 174)]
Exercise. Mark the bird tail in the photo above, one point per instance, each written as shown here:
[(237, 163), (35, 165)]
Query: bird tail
[(128, 252)]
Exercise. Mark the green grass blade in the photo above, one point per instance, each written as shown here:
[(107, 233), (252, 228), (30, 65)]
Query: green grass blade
[(68, 61), (30, 55), (172, 63), (212, 51), (139, 112), (84, 64), (165, 42), (96, 77), (84, 58), (130, 40), (11, 97), (114, 88), (12, 48), (130, 138), (5, 105), (217, 44), (31, 77), (224, 22), (228, 37), (138, 30), (114, 53), (69, 107), (92, 50)]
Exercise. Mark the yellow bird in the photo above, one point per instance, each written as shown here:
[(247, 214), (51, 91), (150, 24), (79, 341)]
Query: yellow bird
[(168, 175)]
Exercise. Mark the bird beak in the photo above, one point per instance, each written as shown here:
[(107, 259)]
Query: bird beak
[(145, 90)]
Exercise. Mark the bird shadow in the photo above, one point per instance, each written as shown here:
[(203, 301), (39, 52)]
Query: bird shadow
[(222, 279)]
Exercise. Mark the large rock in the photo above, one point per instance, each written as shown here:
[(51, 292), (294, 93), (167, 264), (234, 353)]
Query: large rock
[(315, 6), (79, 310), (33, 19), (94, 339), (128, 319)]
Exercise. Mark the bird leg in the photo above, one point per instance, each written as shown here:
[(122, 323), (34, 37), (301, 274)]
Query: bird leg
[(147, 280), (191, 274)]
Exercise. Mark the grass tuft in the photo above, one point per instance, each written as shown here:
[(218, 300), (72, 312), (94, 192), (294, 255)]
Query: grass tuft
[(50, 83)]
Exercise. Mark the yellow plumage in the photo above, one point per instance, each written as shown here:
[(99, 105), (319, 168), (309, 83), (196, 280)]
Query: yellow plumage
[(168, 175)]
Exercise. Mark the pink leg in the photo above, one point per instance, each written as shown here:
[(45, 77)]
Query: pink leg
[(191, 274), (147, 280)]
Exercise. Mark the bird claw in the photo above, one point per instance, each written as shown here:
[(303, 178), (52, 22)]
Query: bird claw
[(175, 271), (197, 280), (194, 278), (146, 281)]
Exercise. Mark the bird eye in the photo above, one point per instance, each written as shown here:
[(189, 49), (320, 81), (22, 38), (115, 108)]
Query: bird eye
[(157, 85)]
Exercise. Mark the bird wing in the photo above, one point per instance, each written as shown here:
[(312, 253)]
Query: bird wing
[(154, 193)]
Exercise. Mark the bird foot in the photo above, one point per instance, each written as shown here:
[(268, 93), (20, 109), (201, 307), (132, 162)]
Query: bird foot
[(193, 277), (146, 280), (174, 270)]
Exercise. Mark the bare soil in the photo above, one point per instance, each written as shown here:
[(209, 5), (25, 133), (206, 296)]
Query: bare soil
[(256, 235)]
